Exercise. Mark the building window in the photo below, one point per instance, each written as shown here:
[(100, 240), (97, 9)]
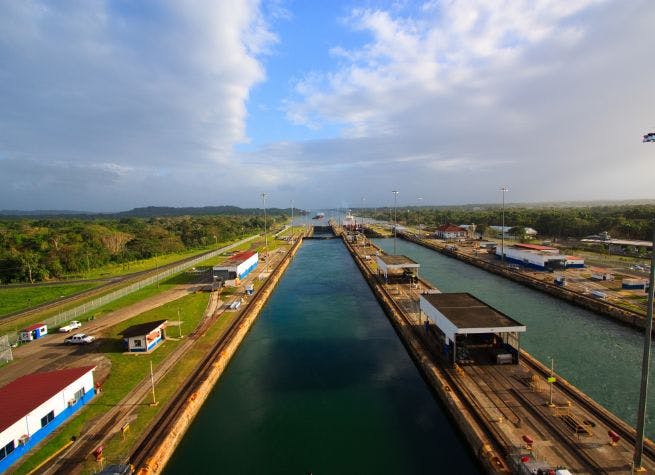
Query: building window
[(7, 449), (137, 343), (45, 420), (79, 394)]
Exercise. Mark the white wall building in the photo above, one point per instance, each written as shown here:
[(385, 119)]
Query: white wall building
[(35, 405), (236, 267), (538, 257)]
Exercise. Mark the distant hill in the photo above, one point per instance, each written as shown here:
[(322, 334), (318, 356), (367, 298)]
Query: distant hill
[(146, 212)]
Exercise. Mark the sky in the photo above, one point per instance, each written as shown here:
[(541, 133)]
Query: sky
[(108, 105)]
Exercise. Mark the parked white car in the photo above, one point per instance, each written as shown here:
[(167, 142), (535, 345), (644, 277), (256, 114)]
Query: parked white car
[(79, 339), (70, 326)]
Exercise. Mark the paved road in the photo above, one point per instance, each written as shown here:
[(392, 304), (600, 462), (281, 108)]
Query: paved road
[(50, 352)]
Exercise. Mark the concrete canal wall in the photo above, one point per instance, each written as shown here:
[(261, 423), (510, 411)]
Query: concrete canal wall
[(159, 456), (465, 419), (614, 312)]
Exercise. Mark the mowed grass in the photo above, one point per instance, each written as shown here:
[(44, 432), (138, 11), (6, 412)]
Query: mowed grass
[(113, 270), (116, 449), (13, 299), (126, 370)]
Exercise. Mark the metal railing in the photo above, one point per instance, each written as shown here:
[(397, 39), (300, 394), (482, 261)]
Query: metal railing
[(73, 313)]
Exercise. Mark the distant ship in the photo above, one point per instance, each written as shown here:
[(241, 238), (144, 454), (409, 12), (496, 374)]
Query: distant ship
[(349, 221), (319, 216)]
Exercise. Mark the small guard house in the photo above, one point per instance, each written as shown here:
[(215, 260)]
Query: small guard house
[(396, 266), (145, 337), (473, 332), (33, 332)]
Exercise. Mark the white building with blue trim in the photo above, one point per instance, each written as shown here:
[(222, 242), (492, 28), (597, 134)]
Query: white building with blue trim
[(145, 337), (33, 406), (236, 267), (538, 257)]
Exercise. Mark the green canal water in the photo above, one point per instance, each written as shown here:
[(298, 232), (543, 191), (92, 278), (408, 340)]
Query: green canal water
[(599, 356), (322, 385)]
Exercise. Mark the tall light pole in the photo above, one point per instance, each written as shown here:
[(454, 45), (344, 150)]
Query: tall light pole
[(645, 362), (363, 199), (419, 216), (395, 220), (504, 189), (291, 219), (265, 235)]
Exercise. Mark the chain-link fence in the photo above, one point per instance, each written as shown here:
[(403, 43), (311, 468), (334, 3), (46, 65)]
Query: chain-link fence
[(73, 313), (5, 350)]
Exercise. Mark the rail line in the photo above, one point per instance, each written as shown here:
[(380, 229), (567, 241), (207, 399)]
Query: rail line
[(620, 427), (160, 428), (486, 404)]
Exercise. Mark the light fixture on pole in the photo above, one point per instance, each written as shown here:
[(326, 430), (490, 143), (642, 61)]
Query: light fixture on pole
[(292, 219), (645, 363), (265, 235), (419, 216), (395, 220), (504, 189), (363, 199)]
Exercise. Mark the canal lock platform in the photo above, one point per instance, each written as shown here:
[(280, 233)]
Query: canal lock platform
[(516, 417)]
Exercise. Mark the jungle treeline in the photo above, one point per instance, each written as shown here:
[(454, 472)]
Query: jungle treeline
[(38, 249), (627, 222)]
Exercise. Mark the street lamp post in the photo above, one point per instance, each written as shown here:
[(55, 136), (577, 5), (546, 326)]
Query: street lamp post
[(292, 219), (420, 234), (265, 235), (395, 220), (645, 363), (504, 189)]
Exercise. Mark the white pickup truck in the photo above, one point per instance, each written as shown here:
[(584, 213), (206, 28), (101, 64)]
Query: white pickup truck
[(70, 326), (79, 339)]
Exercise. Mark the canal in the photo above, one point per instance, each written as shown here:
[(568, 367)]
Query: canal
[(599, 356), (322, 385)]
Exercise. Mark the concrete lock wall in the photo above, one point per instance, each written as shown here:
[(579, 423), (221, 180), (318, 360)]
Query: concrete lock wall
[(159, 456)]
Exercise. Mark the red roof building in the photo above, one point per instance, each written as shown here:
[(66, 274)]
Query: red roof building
[(26, 393), (451, 231)]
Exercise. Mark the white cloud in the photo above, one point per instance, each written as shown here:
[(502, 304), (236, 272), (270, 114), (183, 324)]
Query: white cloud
[(527, 92), (127, 84)]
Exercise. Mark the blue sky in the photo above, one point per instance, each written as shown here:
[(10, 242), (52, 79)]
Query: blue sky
[(107, 105)]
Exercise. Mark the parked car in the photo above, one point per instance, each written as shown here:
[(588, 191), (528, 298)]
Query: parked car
[(70, 326), (79, 339)]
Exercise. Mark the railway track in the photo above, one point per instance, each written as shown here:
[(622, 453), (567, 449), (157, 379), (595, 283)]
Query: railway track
[(112, 284), (513, 389), (626, 432), (160, 428)]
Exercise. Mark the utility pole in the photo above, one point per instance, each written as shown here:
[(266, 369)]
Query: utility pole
[(292, 219), (395, 219), (645, 363), (152, 382), (179, 323), (504, 189), (265, 235)]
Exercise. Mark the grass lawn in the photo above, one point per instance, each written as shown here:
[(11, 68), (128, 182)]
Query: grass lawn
[(116, 448), (126, 370), (13, 299), (113, 270)]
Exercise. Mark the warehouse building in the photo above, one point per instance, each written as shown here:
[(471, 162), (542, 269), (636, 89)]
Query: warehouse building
[(473, 332), (35, 405), (236, 267), (538, 257), (145, 337)]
